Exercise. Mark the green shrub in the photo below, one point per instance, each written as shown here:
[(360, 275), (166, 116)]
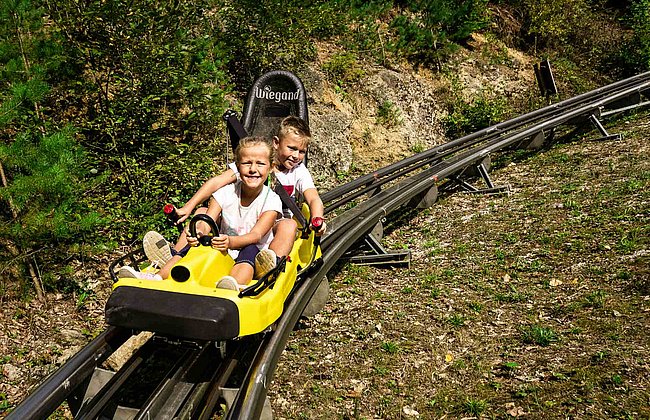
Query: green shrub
[(388, 114), (343, 69), (469, 117), (153, 74), (263, 35), (426, 31), (46, 175), (153, 86), (555, 21), (634, 56)]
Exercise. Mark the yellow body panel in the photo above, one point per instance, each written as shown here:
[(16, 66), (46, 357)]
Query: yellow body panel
[(208, 265)]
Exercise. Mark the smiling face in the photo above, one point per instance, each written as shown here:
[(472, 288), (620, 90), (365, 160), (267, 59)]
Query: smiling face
[(254, 163), (290, 150)]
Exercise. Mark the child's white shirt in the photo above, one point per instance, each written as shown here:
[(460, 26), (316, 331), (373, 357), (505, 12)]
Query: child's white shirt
[(295, 181), (237, 220)]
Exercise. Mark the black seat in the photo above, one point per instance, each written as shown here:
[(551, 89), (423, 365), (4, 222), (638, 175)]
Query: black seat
[(273, 96)]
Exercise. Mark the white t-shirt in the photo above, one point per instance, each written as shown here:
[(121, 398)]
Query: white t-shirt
[(237, 220), (295, 181)]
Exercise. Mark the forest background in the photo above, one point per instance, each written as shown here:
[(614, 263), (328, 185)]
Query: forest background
[(109, 109)]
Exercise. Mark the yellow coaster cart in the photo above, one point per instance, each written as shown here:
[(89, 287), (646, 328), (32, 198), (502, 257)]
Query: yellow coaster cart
[(188, 305)]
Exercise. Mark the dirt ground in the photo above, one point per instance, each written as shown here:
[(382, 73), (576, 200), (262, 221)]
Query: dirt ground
[(533, 305)]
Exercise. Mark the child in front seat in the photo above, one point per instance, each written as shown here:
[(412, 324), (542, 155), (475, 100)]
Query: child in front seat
[(248, 211)]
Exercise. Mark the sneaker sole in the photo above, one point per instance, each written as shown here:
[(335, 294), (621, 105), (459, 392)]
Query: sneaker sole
[(228, 284), (264, 262), (156, 248), (126, 273)]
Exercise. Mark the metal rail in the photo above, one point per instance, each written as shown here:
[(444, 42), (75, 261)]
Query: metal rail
[(193, 387), (60, 384)]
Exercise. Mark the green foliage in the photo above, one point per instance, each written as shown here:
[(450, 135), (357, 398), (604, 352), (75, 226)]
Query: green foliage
[(153, 76), (428, 30), (635, 54), (153, 73), (42, 163), (45, 190), (365, 29), (138, 191), (612, 37), (265, 35), (468, 117), (28, 58), (388, 114), (343, 69), (555, 21)]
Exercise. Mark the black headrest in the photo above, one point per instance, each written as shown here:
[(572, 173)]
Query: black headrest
[(273, 96)]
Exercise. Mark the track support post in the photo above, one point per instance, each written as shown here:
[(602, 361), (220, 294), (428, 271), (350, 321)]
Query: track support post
[(377, 254), (538, 140), (483, 172), (605, 135)]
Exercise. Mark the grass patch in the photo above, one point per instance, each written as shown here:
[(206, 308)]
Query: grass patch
[(536, 334), (390, 347), (474, 407), (457, 320)]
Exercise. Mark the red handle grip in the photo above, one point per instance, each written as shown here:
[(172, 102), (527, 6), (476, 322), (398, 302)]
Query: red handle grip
[(170, 212), (317, 222)]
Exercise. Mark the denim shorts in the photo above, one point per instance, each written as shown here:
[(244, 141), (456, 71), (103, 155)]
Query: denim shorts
[(247, 255)]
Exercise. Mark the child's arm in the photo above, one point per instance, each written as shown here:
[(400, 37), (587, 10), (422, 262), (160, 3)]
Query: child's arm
[(316, 208), (208, 187), (261, 228)]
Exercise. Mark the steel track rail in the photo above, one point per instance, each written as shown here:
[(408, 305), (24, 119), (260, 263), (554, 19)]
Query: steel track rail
[(418, 173), (60, 384), (92, 408), (172, 391)]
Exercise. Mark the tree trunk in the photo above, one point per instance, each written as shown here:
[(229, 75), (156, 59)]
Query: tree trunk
[(31, 265)]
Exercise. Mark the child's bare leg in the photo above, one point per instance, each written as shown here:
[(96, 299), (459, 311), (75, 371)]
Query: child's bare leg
[(242, 272), (164, 271), (284, 234)]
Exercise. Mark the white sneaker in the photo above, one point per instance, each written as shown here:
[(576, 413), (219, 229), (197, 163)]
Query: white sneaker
[(265, 261), (156, 248), (130, 272), (227, 282)]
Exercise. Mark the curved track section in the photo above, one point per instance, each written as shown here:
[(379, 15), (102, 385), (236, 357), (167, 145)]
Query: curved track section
[(425, 170), (168, 379)]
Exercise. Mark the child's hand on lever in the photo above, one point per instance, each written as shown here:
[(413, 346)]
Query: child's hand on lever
[(318, 225), (221, 242), (193, 240)]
